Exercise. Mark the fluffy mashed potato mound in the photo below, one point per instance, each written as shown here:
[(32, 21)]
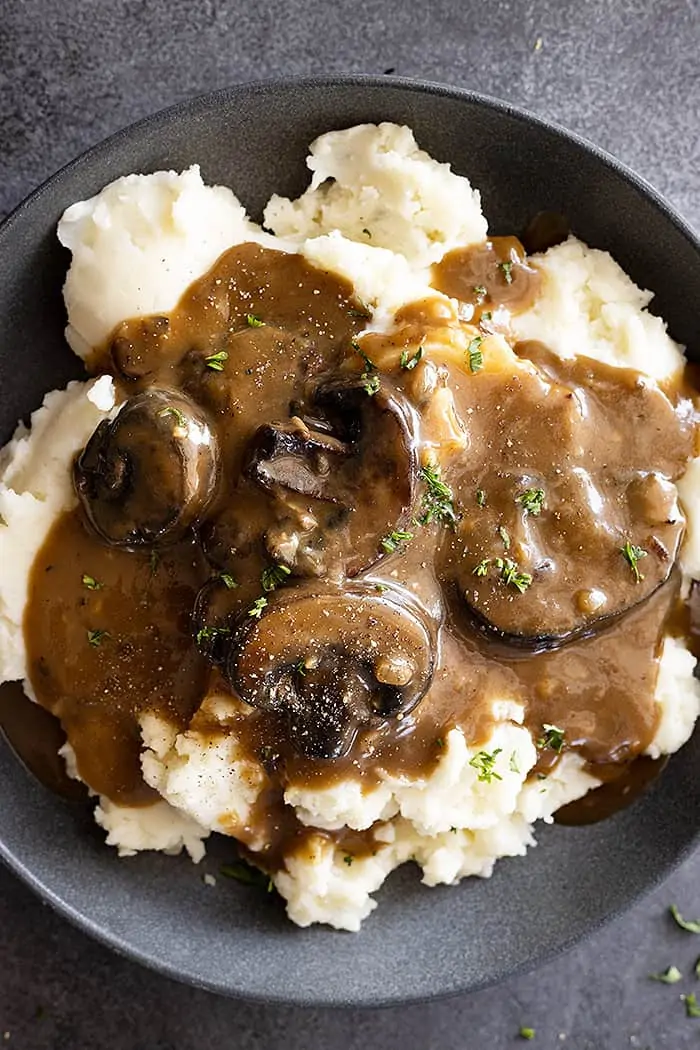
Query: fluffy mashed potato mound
[(132, 829), (589, 307), (35, 488), (374, 185), (139, 243)]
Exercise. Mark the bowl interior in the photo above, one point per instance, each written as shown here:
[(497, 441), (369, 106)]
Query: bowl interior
[(419, 943)]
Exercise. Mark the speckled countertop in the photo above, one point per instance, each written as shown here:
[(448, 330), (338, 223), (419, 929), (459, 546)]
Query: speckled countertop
[(625, 73)]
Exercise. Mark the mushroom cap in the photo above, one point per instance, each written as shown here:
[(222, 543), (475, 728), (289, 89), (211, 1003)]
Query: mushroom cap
[(332, 662), (352, 457), (147, 475)]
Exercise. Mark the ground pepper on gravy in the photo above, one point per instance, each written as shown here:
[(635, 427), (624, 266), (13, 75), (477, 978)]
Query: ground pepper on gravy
[(368, 541)]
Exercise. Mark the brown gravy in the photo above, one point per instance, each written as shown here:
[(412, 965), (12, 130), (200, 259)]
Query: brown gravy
[(265, 340)]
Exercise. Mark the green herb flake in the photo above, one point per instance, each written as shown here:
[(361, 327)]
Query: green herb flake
[(300, 667), (395, 539), (273, 576), (253, 321), (506, 269), (256, 609), (216, 361), (347, 859), (369, 363), (691, 1005), (438, 501), (228, 581), (380, 588), (480, 292), (513, 764), (632, 556), (476, 358), (247, 875), (3, 521), (210, 633), (531, 500), (685, 924), (526, 1033), (480, 498), (90, 582), (361, 311), (486, 316), (482, 568), (505, 538), (408, 361), (671, 975), (153, 561), (511, 575), (484, 763), (439, 743), (95, 637), (553, 738), (370, 383), (177, 415)]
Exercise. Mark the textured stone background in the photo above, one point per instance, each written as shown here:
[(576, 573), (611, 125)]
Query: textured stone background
[(625, 73)]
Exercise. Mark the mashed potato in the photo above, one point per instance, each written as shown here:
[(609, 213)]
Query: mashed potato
[(378, 211)]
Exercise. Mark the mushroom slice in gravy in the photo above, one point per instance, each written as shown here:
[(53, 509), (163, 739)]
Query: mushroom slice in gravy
[(145, 477), (331, 662), (352, 459)]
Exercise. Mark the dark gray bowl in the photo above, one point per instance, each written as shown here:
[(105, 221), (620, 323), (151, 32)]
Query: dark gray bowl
[(420, 943)]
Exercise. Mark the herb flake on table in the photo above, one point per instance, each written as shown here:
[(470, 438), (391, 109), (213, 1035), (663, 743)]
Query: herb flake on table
[(689, 925), (671, 975), (691, 1005), (526, 1033)]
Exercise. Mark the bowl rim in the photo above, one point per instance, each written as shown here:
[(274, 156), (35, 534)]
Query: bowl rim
[(200, 104)]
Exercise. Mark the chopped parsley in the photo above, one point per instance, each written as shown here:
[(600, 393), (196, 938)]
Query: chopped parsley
[(503, 533), (508, 572), (410, 361), (247, 874), (253, 321), (91, 583), (210, 633), (632, 556), (177, 415), (553, 738), (95, 637), (347, 859), (526, 1033), (481, 497), (484, 762), (506, 269), (153, 560), (370, 383), (438, 501), (476, 358), (361, 310), (691, 1005), (531, 500), (273, 576), (380, 588), (216, 361), (300, 667), (685, 924), (480, 292), (671, 975), (513, 764), (439, 742), (369, 363), (228, 581), (395, 539), (256, 609), (486, 316)]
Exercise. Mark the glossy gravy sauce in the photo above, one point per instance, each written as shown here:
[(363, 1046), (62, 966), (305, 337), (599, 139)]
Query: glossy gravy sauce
[(319, 576)]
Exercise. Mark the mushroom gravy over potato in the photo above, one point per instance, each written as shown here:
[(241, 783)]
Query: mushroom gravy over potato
[(364, 537)]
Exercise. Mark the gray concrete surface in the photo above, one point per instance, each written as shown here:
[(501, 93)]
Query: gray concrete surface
[(625, 73)]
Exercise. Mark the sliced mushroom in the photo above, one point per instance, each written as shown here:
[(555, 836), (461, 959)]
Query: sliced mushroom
[(593, 548), (331, 663), (148, 475), (344, 477)]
